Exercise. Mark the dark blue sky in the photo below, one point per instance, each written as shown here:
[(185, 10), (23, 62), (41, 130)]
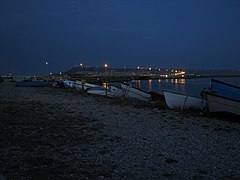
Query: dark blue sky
[(157, 33)]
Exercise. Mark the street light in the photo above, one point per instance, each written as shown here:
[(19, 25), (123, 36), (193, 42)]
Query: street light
[(105, 81), (47, 66)]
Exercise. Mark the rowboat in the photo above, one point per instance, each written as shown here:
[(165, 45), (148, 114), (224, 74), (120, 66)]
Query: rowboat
[(97, 90), (84, 86), (179, 101), (69, 84), (111, 91), (222, 97), (35, 83), (136, 93), (116, 91)]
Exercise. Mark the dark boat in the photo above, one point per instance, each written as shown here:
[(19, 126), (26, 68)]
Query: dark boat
[(37, 83)]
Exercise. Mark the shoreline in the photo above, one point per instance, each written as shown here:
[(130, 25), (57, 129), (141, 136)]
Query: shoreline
[(113, 79), (59, 133)]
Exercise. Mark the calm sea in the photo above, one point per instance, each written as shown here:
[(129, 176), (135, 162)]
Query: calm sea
[(191, 86)]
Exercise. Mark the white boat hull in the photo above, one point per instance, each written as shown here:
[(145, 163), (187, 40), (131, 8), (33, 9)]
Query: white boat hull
[(217, 103), (69, 84), (84, 86), (97, 91), (177, 100), (116, 92), (112, 91), (133, 92)]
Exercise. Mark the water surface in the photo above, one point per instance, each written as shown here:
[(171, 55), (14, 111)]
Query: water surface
[(190, 86)]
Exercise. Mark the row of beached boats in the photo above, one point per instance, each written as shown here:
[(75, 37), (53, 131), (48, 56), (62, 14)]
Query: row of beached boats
[(218, 97), (124, 90)]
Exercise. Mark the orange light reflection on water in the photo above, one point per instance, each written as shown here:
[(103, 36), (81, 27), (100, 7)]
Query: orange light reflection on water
[(138, 84), (104, 85), (180, 84), (150, 84), (177, 84)]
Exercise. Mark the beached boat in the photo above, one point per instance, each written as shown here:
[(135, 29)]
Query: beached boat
[(69, 84), (222, 97), (56, 83), (84, 86), (217, 103), (111, 91), (29, 83), (97, 90), (133, 92), (116, 91), (180, 101)]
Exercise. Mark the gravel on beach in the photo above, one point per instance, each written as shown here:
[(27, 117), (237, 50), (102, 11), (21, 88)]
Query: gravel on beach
[(54, 133)]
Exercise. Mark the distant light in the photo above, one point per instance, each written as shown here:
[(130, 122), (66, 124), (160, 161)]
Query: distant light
[(176, 71), (46, 62), (172, 70), (159, 69), (166, 69), (105, 65), (182, 75), (138, 67), (60, 73), (50, 73), (149, 69), (166, 76), (104, 85), (81, 64)]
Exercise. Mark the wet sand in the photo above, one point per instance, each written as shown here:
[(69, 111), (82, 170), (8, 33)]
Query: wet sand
[(54, 133)]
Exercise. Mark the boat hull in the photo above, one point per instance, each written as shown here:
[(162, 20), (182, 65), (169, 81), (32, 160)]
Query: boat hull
[(116, 91), (81, 87), (69, 84), (97, 91), (216, 103), (222, 97), (175, 100), (135, 93)]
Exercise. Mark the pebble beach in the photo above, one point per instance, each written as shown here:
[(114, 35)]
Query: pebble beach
[(55, 133)]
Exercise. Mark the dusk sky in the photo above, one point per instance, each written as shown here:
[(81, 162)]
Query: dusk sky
[(199, 34)]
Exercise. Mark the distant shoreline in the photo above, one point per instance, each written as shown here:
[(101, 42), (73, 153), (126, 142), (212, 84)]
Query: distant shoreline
[(102, 79), (129, 78)]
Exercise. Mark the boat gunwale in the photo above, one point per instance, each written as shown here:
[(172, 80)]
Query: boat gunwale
[(135, 88), (217, 95), (180, 93), (224, 83)]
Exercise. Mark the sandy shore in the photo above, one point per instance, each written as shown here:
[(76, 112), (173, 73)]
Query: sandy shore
[(53, 133)]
